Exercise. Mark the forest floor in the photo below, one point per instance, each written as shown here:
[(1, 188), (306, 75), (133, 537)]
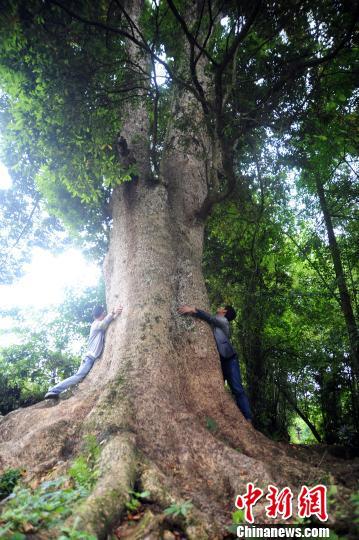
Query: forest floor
[(146, 518), (148, 521)]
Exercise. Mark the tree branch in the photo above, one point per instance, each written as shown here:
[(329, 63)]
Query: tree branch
[(292, 69), (317, 61), (312, 266), (240, 37), (28, 221), (293, 403), (119, 31), (217, 197), (191, 39)]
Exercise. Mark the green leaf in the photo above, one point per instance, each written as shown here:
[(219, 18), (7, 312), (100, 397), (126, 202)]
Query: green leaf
[(238, 517)]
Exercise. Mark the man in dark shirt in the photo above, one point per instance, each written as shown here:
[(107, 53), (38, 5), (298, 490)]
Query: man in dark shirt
[(229, 359)]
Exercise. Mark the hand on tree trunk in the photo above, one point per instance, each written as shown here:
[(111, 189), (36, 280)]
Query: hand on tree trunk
[(117, 311), (187, 310)]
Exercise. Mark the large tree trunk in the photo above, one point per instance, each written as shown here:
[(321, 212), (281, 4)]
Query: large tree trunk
[(149, 398)]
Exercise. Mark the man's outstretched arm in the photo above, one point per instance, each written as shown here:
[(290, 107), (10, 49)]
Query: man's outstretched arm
[(187, 310), (195, 312), (102, 325)]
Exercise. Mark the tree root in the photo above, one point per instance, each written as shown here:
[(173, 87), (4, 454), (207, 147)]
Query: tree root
[(147, 528), (106, 503), (176, 461), (195, 523), (38, 436), (119, 468)]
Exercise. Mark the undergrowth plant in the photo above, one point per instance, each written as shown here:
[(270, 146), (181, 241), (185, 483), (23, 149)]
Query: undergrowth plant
[(178, 509), (355, 500), (71, 533), (237, 519), (135, 501), (28, 510), (84, 470), (8, 481)]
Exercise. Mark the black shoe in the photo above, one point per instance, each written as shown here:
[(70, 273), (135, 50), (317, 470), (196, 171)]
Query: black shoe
[(52, 395)]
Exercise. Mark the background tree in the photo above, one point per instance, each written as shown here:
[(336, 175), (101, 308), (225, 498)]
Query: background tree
[(327, 157), (290, 327)]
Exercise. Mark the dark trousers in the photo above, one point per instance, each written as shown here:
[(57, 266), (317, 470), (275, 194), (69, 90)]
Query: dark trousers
[(232, 374)]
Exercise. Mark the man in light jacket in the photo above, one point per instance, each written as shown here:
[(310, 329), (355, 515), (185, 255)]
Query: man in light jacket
[(229, 359), (94, 349)]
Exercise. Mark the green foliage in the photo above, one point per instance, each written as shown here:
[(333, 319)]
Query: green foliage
[(91, 449), (273, 265), (49, 504), (178, 509), (71, 533), (300, 433), (26, 371), (84, 469), (135, 501), (43, 507), (211, 424), (133, 504), (247, 264), (355, 500), (54, 110), (8, 481), (63, 92), (45, 353), (237, 519), (81, 473)]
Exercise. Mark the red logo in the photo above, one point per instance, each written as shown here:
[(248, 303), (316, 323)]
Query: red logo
[(311, 502), (248, 500), (280, 502)]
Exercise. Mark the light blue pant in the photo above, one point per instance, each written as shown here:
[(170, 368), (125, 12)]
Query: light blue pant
[(83, 370)]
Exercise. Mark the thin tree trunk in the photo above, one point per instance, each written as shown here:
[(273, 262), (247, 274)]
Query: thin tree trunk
[(252, 347), (342, 286), (292, 402)]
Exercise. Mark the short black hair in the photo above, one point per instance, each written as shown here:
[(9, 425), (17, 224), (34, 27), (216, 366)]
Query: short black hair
[(97, 311), (230, 313)]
